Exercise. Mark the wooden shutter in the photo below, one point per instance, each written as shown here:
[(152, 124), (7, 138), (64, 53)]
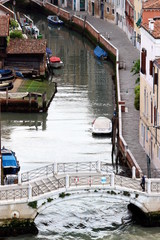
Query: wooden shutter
[(143, 61), (151, 68), (151, 112), (155, 78)]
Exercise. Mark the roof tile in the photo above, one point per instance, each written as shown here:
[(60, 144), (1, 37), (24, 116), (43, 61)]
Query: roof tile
[(26, 46)]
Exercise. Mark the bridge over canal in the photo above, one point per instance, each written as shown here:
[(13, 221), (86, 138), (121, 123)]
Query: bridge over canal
[(37, 189)]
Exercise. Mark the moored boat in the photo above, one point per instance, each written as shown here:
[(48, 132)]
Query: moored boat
[(100, 53), (10, 163), (102, 126), (55, 62), (6, 78), (5, 86), (53, 19), (5, 72)]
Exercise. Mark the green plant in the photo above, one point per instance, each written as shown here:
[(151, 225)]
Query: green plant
[(33, 204), (137, 97), (16, 34), (49, 199), (136, 67), (136, 70), (125, 193), (13, 23)]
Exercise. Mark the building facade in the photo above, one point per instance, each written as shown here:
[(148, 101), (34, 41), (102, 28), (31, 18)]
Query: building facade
[(150, 89)]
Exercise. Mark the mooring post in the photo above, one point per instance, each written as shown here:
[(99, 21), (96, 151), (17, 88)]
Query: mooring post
[(67, 181), (99, 166), (55, 168), (148, 181), (112, 179), (19, 178), (133, 172), (29, 192)]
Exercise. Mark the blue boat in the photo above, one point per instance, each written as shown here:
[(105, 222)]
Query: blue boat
[(53, 19), (5, 72), (10, 164), (100, 53)]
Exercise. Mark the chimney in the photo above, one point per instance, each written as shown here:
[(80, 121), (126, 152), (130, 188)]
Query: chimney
[(151, 24)]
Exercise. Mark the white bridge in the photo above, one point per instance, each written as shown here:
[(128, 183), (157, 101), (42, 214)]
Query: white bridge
[(43, 185)]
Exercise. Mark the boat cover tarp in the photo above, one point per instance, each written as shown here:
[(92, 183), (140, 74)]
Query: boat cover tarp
[(99, 52), (8, 160), (48, 51), (54, 59)]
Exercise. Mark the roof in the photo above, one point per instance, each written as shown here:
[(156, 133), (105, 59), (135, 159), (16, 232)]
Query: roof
[(4, 25), (150, 4), (26, 46), (156, 31)]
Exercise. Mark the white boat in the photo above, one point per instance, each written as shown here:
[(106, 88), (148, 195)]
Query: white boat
[(102, 126)]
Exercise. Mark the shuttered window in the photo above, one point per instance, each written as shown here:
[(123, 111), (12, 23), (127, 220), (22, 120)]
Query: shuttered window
[(151, 112), (143, 61), (151, 68)]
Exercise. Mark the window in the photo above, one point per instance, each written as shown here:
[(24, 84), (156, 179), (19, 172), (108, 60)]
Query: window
[(155, 116), (107, 9), (146, 135), (143, 61), (151, 111), (144, 101), (151, 67), (113, 11)]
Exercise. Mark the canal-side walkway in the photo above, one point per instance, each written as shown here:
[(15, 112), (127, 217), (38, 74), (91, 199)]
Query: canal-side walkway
[(128, 54)]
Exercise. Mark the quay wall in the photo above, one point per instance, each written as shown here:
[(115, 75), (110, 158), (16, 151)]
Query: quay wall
[(89, 31)]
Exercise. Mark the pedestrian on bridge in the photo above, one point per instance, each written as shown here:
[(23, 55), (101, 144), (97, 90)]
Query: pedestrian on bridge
[(143, 183)]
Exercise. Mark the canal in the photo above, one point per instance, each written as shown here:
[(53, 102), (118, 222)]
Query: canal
[(85, 91)]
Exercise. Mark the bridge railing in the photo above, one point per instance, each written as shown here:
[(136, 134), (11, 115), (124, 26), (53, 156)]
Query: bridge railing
[(48, 186), (14, 192), (70, 167)]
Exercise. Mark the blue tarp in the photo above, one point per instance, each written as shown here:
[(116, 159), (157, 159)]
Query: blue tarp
[(8, 160), (48, 51), (99, 52)]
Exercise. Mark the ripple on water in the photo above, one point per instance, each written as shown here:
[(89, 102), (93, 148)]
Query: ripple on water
[(83, 218)]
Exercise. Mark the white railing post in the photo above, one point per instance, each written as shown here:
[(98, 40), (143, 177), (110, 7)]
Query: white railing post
[(67, 181), (133, 172), (19, 178), (112, 179), (29, 192), (55, 168), (99, 166), (148, 181)]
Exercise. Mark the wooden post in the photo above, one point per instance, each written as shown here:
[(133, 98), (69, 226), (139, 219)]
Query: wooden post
[(44, 101)]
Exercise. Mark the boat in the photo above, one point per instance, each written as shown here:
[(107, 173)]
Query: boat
[(27, 23), (100, 53), (54, 19), (55, 62), (10, 165), (6, 78), (5, 72), (102, 126), (5, 86)]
